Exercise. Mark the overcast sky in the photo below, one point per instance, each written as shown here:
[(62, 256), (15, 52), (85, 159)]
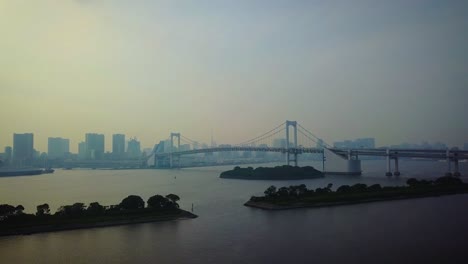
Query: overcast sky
[(393, 70)]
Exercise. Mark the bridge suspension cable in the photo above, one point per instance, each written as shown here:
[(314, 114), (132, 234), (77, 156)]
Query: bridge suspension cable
[(317, 139), (188, 140), (264, 135)]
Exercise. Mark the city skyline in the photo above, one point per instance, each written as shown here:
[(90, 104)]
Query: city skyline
[(360, 142), (395, 71)]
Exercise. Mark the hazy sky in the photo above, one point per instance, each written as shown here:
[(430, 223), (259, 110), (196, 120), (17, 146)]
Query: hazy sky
[(394, 70)]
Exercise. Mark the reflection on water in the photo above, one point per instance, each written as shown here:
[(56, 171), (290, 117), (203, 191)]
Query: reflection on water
[(420, 230)]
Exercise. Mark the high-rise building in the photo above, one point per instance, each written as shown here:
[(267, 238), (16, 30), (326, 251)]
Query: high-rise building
[(94, 146), (82, 150), (133, 149), (58, 147), (118, 146), (465, 147), (8, 154), (23, 149)]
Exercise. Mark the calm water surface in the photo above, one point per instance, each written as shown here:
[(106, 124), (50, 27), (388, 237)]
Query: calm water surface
[(428, 230)]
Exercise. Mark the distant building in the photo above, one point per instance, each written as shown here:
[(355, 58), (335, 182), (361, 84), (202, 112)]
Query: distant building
[(159, 148), (23, 149), (225, 154), (465, 147), (423, 145), (279, 143), (8, 154), (184, 147), (94, 146), (133, 149), (82, 150), (355, 144), (57, 147), (118, 146)]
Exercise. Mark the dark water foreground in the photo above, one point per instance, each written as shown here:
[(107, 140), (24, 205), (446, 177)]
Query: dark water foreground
[(428, 230)]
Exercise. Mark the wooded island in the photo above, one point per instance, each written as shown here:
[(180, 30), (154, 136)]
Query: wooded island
[(299, 196), (13, 221)]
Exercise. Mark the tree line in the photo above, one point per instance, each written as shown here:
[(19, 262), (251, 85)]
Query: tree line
[(301, 191), (131, 203)]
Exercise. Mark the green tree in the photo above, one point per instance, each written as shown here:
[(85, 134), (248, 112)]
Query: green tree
[(95, 208), (270, 191), (19, 209), (132, 202), (6, 210), (412, 182), (343, 189), (448, 181), (42, 209), (173, 198), (76, 209), (374, 188), (158, 202)]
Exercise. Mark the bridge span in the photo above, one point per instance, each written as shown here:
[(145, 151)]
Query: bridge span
[(302, 141)]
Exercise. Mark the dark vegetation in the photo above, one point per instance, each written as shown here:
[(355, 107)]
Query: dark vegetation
[(299, 195), (13, 220), (277, 173)]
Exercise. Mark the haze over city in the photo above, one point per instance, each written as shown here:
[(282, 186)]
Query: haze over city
[(393, 70)]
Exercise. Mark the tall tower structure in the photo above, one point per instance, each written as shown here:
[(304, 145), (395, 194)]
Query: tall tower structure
[(23, 149), (118, 146), (288, 143), (94, 146)]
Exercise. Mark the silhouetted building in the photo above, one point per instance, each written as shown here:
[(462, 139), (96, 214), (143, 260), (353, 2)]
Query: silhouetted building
[(159, 148), (465, 147), (184, 147), (423, 145), (355, 144), (8, 154), (82, 150), (118, 146), (279, 143), (23, 149), (225, 154), (58, 147), (94, 146), (133, 149)]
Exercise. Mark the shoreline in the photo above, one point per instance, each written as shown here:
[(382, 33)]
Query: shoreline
[(28, 230), (298, 205)]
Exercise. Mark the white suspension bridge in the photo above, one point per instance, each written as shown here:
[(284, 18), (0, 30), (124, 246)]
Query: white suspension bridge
[(300, 141)]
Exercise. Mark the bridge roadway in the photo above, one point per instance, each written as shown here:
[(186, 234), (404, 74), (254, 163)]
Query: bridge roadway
[(298, 150), (410, 153)]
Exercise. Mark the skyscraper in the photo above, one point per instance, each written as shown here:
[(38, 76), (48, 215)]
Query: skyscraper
[(94, 146), (118, 146), (82, 150), (57, 147), (133, 149), (23, 149), (8, 153)]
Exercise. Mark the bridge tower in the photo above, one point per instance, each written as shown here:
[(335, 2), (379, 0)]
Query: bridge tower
[(171, 158), (294, 150)]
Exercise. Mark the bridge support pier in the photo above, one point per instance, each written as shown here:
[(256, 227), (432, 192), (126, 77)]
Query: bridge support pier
[(389, 171), (397, 171), (456, 171), (449, 171)]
